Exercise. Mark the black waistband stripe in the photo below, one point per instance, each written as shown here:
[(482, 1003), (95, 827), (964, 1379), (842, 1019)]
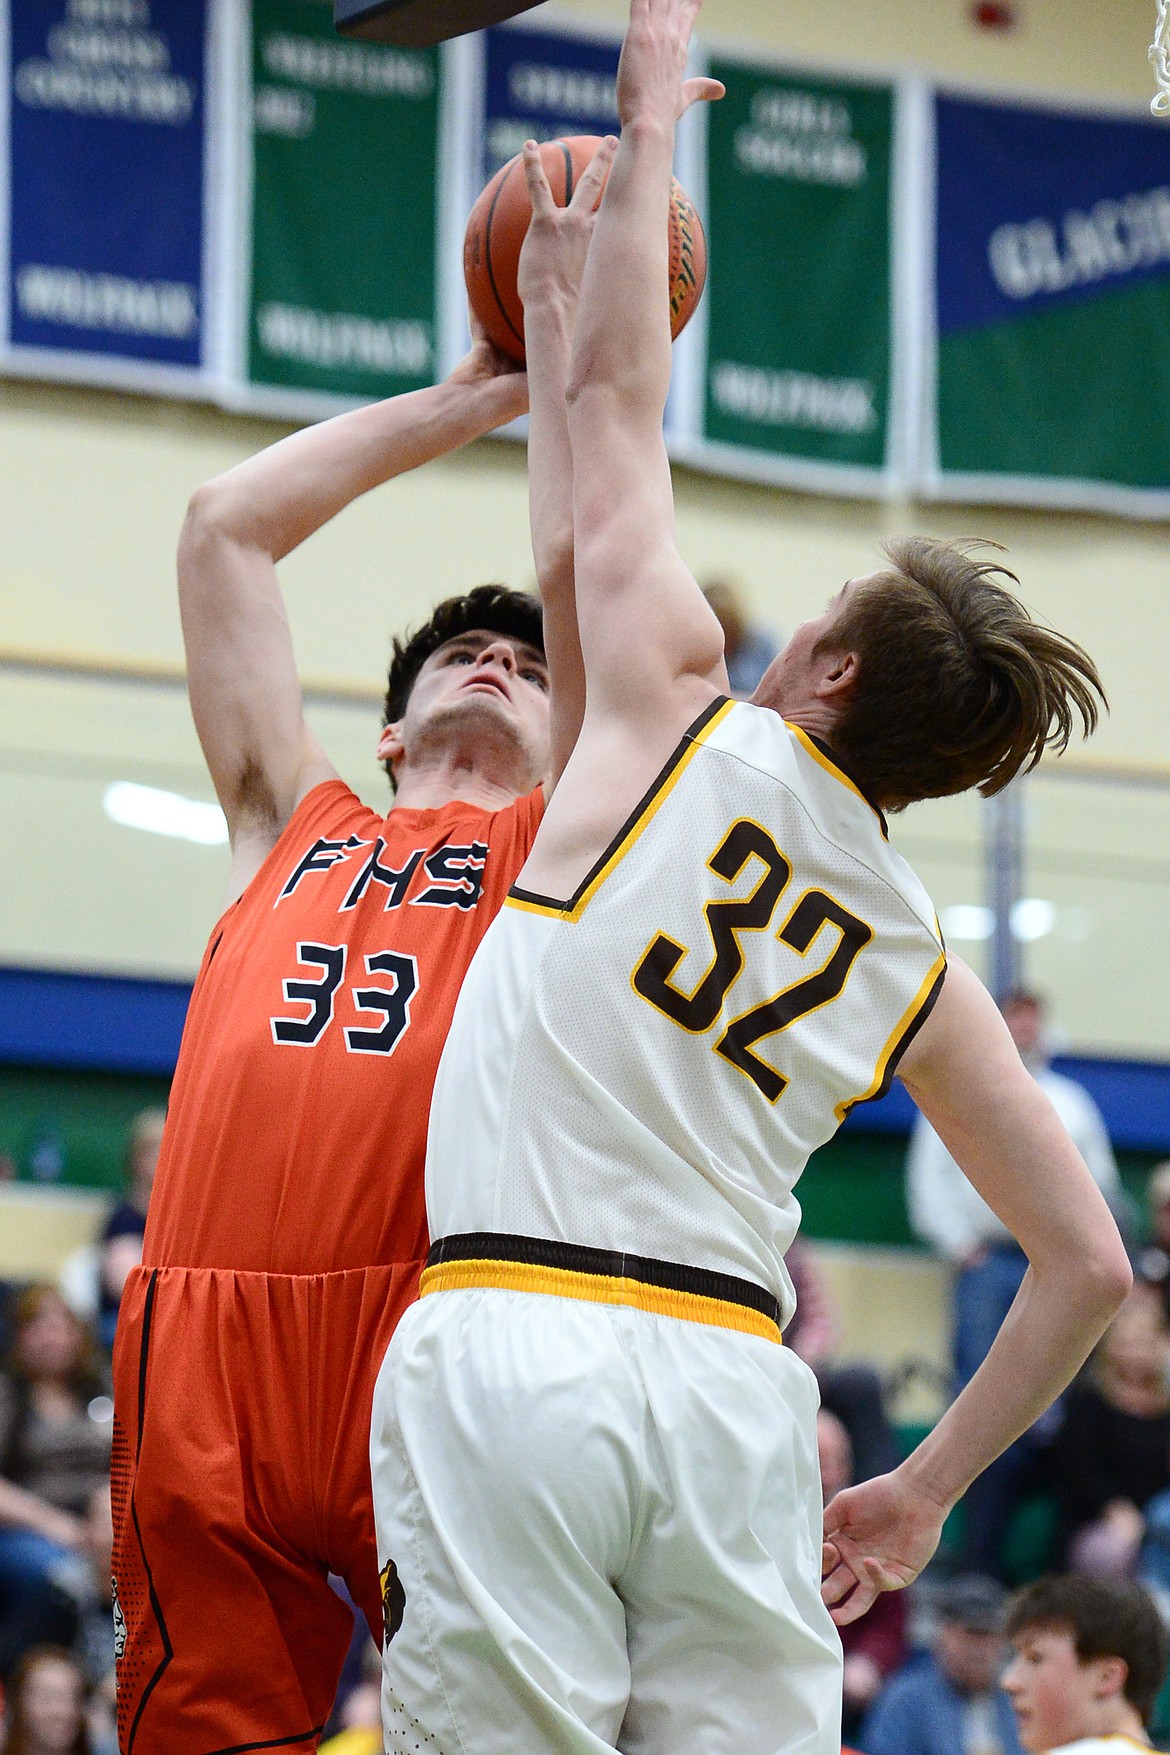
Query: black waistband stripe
[(577, 1258)]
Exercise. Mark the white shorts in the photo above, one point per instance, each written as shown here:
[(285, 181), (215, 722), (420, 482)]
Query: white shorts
[(598, 1528)]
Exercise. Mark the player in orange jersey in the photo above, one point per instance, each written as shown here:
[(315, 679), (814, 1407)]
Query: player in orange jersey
[(288, 1221)]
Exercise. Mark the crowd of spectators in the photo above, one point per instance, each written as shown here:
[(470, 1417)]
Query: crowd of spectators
[(922, 1669)]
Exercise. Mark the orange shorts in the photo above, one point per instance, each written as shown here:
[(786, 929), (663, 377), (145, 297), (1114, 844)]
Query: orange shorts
[(241, 1479)]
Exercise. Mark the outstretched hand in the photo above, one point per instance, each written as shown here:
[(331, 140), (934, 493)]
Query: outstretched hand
[(552, 258), (878, 1537), (484, 362), (650, 83)]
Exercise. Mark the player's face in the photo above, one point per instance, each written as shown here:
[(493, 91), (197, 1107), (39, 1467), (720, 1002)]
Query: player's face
[(1056, 1698), (485, 685), (796, 675)]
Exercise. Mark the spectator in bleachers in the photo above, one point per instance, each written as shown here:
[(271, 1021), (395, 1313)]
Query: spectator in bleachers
[(46, 1709), (1155, 1260), (93, 1640), (947, 1213), (874, 1644), (949, 1701), (1090, 1660), (747, 648), (853, 1391), (120, 1243), (1113, 1453), (55, 1431)]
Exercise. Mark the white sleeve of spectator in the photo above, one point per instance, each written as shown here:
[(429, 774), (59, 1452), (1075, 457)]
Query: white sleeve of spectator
[(1086, 1127), (938, 1195)]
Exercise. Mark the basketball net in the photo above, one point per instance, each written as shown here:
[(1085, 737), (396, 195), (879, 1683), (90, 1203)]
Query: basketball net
[(1160, 56)]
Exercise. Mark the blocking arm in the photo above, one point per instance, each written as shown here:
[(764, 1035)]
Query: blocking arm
[(644, 623)]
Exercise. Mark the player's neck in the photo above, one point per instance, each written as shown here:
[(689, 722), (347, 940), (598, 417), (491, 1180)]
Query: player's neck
[(813, 717), (1117, 1718), (430, 784)]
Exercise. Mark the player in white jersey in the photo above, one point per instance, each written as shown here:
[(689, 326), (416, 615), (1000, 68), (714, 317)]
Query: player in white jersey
[(595, 1474), (1090, 1659)]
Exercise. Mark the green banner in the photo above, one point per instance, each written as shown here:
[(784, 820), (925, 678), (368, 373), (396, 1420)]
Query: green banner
[(798, 337), (345, 151)]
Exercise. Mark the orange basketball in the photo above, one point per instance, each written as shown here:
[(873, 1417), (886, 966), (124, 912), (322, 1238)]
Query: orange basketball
[(499, 220)]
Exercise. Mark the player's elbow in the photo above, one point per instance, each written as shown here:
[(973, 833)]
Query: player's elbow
[(1108, 1270), (1102, 1278), (213, 519)]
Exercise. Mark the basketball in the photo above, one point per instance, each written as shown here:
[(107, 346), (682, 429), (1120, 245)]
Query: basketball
[(499, 221)]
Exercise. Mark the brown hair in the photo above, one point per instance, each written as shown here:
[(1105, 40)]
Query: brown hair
[(18, 1728), (1106, 1618), (496, 608), (84, 1376), (957, 685)]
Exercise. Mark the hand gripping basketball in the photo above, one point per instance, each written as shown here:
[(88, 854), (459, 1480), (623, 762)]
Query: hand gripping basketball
[(499, 224)]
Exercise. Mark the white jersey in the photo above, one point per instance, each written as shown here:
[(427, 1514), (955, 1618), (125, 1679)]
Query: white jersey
[(646, 1067), (1118, 1744)]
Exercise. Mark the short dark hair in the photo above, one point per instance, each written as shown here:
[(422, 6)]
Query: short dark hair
[(496, 608), (1106, 1618), (957, 685)]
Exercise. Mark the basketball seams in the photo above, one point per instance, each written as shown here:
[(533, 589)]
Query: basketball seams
[(501, 217), (487, 248)]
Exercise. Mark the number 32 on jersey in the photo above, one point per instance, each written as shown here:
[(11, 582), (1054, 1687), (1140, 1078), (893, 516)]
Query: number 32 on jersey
[(703, 1007)]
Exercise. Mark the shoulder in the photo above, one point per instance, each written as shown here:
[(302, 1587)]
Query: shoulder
[(523, 816), (329, 811), (1100, 1746)]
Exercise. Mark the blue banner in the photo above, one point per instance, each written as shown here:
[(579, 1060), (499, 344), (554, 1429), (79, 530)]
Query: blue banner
[(107, 174), (1038, 209), (539, 85), (1052, 307)]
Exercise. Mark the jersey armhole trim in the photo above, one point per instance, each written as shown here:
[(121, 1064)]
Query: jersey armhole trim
[(695, 735), (904, 1032)]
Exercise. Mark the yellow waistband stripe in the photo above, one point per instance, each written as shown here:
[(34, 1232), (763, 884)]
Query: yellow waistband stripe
[(515, 1276)]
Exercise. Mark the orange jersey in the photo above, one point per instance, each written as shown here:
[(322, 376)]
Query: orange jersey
[(296, 1132)]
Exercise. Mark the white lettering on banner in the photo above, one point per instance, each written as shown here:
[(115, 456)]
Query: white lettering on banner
[(1112, 238), (103, 60), (505, 139), (562, 90), (793, 399), (801, 137), (163, 308), (348, 67), (131, 12), (319, 338), (279, 109)]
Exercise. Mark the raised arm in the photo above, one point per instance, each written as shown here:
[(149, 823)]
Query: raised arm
[(969, 1082), (644, 623), (242, 678), (552, 262)]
